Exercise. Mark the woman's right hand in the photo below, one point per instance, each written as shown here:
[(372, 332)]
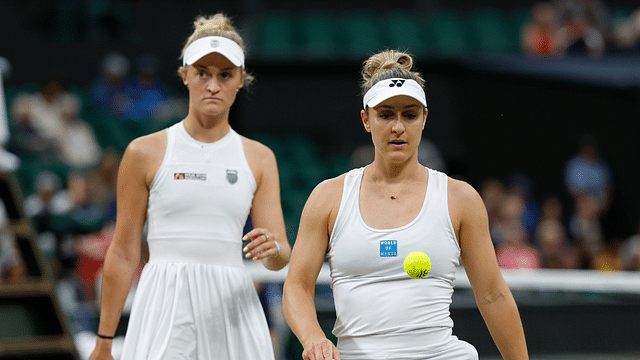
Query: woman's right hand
[(320, 349), (102, 351)]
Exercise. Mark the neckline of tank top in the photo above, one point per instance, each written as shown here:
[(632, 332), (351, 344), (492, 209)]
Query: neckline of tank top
[(184, 134), (399, 228)]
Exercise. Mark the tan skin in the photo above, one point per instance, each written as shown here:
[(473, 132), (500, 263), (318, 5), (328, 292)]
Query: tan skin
[(396, 128), (213, 82)]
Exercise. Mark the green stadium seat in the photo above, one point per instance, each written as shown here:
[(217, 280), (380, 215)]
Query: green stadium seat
[(319, 35), (276, 35), (403, 32), (448, 34), (489, 32), (360, 35)]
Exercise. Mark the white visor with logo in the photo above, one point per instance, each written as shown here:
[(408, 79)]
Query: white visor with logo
[(210, 44), (389, 88)]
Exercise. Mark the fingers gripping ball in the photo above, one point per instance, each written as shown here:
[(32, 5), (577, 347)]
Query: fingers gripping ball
[(417, 264)]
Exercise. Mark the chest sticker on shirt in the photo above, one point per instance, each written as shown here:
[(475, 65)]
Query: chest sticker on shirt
[(189, 176), (388, 248)]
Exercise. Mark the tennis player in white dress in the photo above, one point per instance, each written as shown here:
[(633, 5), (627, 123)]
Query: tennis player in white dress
[(195, 184)]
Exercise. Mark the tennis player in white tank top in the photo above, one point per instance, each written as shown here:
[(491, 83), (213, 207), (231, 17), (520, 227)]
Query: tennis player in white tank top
[(368, 220), (194, 184)]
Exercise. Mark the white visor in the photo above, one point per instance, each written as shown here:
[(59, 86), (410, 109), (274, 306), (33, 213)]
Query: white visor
[(210, 44), (386, 89)]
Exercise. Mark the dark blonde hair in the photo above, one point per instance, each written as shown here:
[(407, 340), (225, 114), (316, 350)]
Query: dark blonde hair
[(388, 64), (215, 25)]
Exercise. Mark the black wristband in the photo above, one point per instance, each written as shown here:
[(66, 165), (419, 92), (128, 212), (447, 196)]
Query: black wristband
[(105, 337)]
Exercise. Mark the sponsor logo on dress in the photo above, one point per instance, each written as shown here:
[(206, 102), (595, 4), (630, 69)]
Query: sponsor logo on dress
[(189, 176), (232, 176), (388, 248)]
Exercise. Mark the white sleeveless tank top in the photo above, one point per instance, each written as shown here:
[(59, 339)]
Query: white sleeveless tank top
[(383, 313), (183, 227)]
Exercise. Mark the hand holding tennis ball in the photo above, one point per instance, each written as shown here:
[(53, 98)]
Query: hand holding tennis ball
[(417, 264)]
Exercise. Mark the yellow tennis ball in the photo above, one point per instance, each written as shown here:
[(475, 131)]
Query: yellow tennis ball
[(417, 264)]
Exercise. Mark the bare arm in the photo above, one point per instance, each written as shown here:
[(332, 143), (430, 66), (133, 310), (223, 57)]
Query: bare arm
[(123, 256), (266, 210), (494, 299), (308, 255)]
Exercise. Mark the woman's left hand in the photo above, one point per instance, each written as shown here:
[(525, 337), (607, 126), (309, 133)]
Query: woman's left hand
[(262, 245)]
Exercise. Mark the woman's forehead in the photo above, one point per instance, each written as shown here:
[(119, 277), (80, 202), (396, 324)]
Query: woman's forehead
[(399, 102)]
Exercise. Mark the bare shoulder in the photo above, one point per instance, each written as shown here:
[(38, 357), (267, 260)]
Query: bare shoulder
[(146, 154), (149, 146), (256, 150), (461, 192), (464, 202), (330, 189)]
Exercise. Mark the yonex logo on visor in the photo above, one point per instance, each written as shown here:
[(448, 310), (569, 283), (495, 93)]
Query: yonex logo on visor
[(210, 44), (385, 89)]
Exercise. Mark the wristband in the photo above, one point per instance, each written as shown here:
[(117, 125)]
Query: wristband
[(105, 337)]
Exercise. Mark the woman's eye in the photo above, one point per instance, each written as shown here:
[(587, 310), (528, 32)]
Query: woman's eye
[(225, 75)]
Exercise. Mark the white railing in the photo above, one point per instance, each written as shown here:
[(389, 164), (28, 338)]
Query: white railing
[(625, 282)]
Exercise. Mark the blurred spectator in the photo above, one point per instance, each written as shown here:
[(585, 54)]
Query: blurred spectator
[(510, 216), (44, 206), (584, 26), (515, 252), (106, 92), (626, 33), (103, 184), (12, 267), (48, 196), (75, 140), (607, 259), (539, 37), (145, 93), (522, 186), (40, 117), (556, 252), (587, 172), (552, 209), (586, 230), (629, 252), (493, 192)]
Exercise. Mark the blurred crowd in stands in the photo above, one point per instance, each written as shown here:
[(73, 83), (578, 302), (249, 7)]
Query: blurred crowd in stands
[(70, 142), (564, 27)]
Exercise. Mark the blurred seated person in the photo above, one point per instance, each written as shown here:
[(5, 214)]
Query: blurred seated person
[(539, 37), (145, 93), (12, 268), (106, 92), (556, 252), (40, 116), (629, 251), (626, 33), (76, 141), (584, 26), (515, 252), (586, 172)]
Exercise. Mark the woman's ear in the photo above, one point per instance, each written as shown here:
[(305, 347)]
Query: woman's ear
[(365, 120), (183, 75), (424, 121)]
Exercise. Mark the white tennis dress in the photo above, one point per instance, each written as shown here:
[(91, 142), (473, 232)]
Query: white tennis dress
[(382, 313), (195, 299)]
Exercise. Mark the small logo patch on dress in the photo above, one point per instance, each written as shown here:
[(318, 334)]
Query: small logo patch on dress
[(232, 176), (388, 248), (189, 176)]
